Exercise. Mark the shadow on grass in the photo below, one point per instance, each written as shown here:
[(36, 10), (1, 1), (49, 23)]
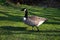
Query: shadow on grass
[(58, 23), (13, 28), (9, 30), (10, 17)]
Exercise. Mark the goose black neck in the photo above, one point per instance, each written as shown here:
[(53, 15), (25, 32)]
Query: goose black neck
[(26, 14)]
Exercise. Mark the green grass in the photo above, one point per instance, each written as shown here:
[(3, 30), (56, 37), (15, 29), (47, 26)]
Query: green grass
[(13, 28)]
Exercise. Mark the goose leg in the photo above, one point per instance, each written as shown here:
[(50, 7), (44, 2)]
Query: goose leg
[(32, 27), (37, 28)]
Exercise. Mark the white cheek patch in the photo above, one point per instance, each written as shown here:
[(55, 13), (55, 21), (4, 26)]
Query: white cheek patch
[(24, 18), (25, 10), (40, 23)]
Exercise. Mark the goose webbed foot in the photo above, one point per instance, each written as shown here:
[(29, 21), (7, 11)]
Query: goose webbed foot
[(32, 28), (37, 28)]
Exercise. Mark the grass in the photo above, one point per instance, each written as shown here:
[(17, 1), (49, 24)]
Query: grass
[(13, 28)]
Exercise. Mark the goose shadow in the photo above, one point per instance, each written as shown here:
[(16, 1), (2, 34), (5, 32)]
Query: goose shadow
[(9, 30)]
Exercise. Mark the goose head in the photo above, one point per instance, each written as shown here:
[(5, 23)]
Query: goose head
[(26, 13), (24, 9)]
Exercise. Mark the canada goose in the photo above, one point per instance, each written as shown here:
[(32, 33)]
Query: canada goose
[(32, 20)]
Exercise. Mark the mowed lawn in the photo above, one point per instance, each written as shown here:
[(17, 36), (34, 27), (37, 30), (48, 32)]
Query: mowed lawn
[(12, 26)]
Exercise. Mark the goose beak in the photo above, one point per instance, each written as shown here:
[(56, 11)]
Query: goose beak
[(23, 9)]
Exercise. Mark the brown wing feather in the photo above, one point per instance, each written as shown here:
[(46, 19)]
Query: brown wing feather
[(36, 19)]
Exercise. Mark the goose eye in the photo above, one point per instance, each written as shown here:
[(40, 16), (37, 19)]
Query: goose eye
[(23, 9)]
